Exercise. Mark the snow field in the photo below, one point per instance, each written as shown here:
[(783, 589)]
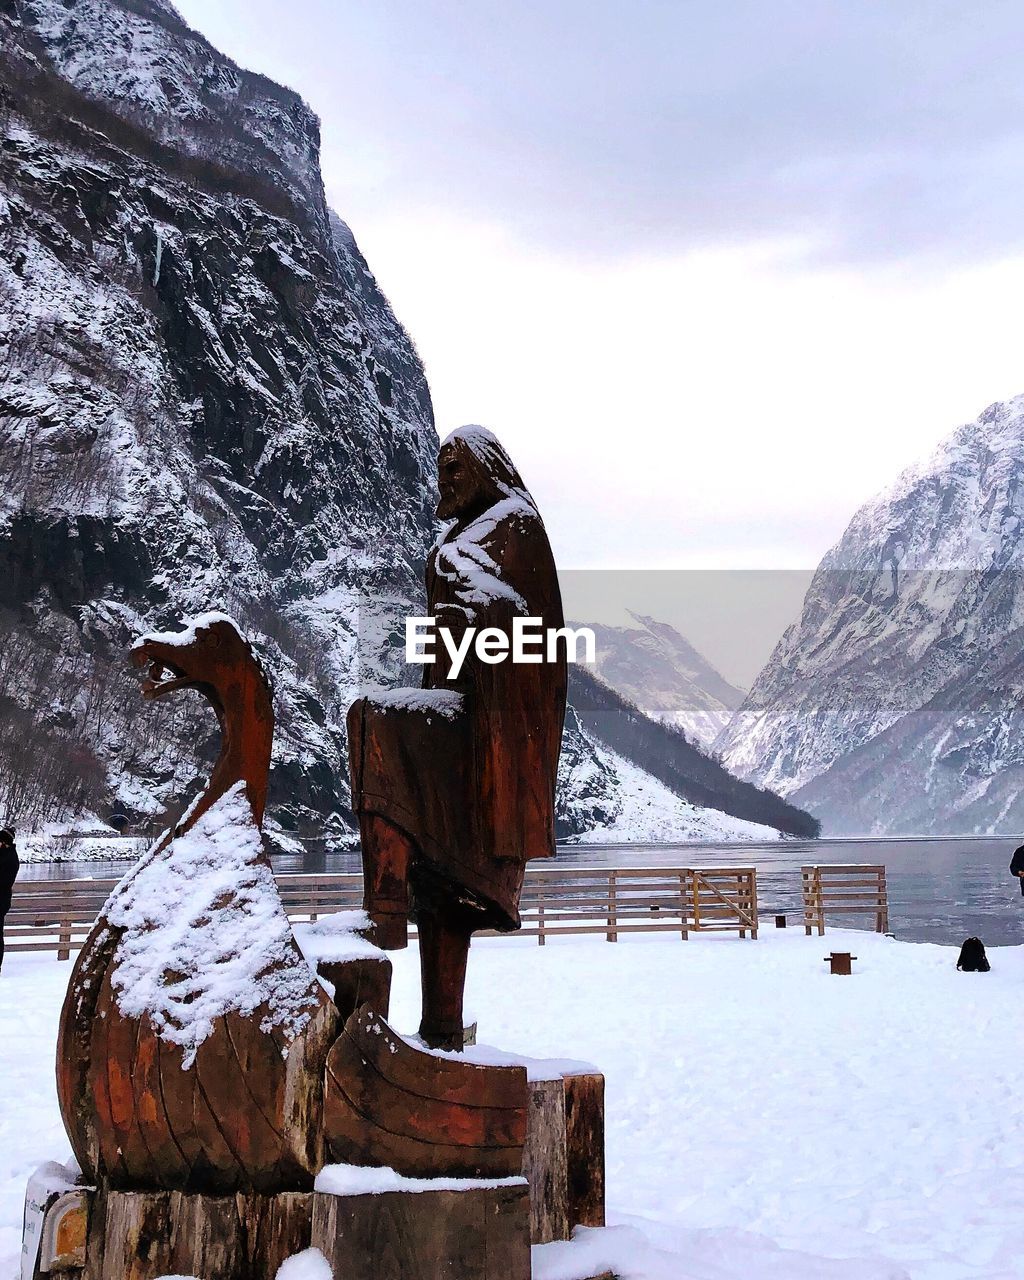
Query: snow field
[(765, 1119)]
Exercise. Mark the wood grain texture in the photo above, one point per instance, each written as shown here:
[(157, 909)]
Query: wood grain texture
[(564, 1155), (358, 982), (388, 1103), (137, 1235), (234, 1120), (544, 1162), (435, 1235), (584, 1149)]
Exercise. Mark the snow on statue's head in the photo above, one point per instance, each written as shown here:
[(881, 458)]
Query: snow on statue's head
[(474, 471)]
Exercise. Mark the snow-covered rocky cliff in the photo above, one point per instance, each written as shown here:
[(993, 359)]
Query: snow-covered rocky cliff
[(894, 704), (204, 400), (658, 670)]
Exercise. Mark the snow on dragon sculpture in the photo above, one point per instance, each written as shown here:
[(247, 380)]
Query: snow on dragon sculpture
[(194, 1034)]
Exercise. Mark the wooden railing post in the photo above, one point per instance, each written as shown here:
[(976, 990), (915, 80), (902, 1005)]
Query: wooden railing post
[(684, 929), (819, 898), (540, 917), (814, 903), (613, 917), (753, 900), (64, 947), (805, 888), (696, 900)]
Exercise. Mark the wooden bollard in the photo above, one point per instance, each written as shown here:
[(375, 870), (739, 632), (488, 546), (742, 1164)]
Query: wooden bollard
[(840, 962), (780, 922)]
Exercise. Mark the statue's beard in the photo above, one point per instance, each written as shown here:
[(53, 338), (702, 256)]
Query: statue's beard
[(461, 507)]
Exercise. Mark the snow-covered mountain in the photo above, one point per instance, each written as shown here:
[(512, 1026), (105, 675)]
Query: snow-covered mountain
[(205, 401), (606, 799), (896, 702), (659, 671)]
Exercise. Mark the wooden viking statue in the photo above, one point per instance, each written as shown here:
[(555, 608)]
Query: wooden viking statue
[(454, 784)]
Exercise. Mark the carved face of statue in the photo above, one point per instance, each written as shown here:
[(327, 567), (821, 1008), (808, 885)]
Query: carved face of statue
[(459, 482)]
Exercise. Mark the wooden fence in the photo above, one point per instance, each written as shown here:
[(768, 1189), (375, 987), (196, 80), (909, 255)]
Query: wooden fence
[(56, 915), (620, 900), (849, 889)]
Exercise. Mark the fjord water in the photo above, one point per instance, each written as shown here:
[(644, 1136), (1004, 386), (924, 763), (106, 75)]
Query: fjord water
[(940, 889)]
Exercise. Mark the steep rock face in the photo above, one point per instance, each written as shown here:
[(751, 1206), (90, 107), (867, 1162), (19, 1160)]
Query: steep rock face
[(204, 399), (894, 703), (139, 58), (658, 670)]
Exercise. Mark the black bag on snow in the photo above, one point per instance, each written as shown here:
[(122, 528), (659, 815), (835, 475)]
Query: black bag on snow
[(972, 957)]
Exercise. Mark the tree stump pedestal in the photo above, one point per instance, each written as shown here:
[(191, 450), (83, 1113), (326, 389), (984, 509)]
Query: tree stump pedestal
[(139, 1235), (563, 1160), (463, 1232)]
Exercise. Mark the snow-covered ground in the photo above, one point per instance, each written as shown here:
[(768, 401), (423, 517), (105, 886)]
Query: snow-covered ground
[(766, 1121)]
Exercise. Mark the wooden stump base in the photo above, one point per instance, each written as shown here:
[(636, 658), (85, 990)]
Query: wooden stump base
[(140, 1235), (471, 1234), (564, 1156)]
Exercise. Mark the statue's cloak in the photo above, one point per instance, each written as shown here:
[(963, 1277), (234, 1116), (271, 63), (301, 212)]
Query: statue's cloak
[(467, 767)]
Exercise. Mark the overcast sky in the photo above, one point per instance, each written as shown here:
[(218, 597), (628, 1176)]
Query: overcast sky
[(713, 270)]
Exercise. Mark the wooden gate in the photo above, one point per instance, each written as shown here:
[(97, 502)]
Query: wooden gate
[(724, 898), (844, 889)]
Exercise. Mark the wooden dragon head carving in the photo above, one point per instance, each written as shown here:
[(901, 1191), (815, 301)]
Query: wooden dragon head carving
[(211, 657)]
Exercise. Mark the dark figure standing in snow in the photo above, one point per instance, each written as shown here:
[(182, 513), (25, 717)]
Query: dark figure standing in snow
[(1017, 866), (9, 865), (454, 783)]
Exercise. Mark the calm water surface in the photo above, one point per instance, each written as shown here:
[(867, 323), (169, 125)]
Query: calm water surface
[(940, 890)]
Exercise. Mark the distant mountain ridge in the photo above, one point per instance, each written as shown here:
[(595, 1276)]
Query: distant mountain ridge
[(896, 702), (663, 751), (657, 669)]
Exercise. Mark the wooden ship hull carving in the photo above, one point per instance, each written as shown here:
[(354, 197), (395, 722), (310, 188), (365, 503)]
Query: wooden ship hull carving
[(194, 1035), (387, 1102)]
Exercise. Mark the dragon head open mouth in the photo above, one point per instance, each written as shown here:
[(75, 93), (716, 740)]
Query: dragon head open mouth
[(204, 655), (163, 674), (210, 655)]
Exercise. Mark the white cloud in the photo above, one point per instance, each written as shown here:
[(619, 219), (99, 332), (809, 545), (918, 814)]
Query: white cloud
[(725, 408)]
